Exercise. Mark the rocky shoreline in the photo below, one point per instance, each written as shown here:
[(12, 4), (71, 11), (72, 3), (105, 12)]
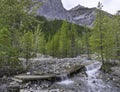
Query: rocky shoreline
[(50, 66), (77, 82)]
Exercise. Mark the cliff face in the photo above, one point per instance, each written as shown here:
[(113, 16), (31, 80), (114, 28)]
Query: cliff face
[(53, 9)]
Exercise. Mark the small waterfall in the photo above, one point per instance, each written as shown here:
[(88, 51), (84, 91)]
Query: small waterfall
[(94, 84), (93, 69), (65, 80), (64, 77)]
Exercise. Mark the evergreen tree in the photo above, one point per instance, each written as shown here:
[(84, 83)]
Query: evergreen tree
[(48, 46), (86, 41), (98, 34), (5, 44), (100, 29), (39, 40), (73, 40), (8, 54), (14, 13), (108, 41), (64, 43), (55, 44), (116, 29), (27, 45), (42, 43)]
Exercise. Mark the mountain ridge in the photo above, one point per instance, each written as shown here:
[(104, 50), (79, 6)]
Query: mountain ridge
[(53, 9)]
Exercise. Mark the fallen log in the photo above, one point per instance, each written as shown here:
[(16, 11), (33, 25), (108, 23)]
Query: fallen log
[(34, 77), (68, 72), (17, 80)]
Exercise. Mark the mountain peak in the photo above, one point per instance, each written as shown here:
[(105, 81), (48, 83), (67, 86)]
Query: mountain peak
[(53, 9), (78, 7)]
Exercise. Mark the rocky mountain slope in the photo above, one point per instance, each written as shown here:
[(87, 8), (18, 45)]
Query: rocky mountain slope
[(53, 9), (82, 15)]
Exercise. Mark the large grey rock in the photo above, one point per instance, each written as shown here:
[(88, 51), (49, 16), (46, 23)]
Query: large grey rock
[(116, 71)]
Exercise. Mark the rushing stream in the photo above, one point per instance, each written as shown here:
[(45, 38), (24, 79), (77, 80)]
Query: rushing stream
[(92, 83)]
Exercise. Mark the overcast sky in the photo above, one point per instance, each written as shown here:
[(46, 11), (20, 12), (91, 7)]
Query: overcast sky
[(110, 6)]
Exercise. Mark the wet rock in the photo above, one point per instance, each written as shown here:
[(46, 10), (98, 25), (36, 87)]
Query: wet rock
[(94, 81), (13, 87), (4, 79), (118, 85), (116, 71), (3, 88), (36, 85)]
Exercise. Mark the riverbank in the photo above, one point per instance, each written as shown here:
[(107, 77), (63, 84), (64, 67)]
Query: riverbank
[(79, 82)]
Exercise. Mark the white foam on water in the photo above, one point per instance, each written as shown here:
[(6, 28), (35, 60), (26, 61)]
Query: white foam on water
[(96, 85), (92, 69), (66, 82)]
